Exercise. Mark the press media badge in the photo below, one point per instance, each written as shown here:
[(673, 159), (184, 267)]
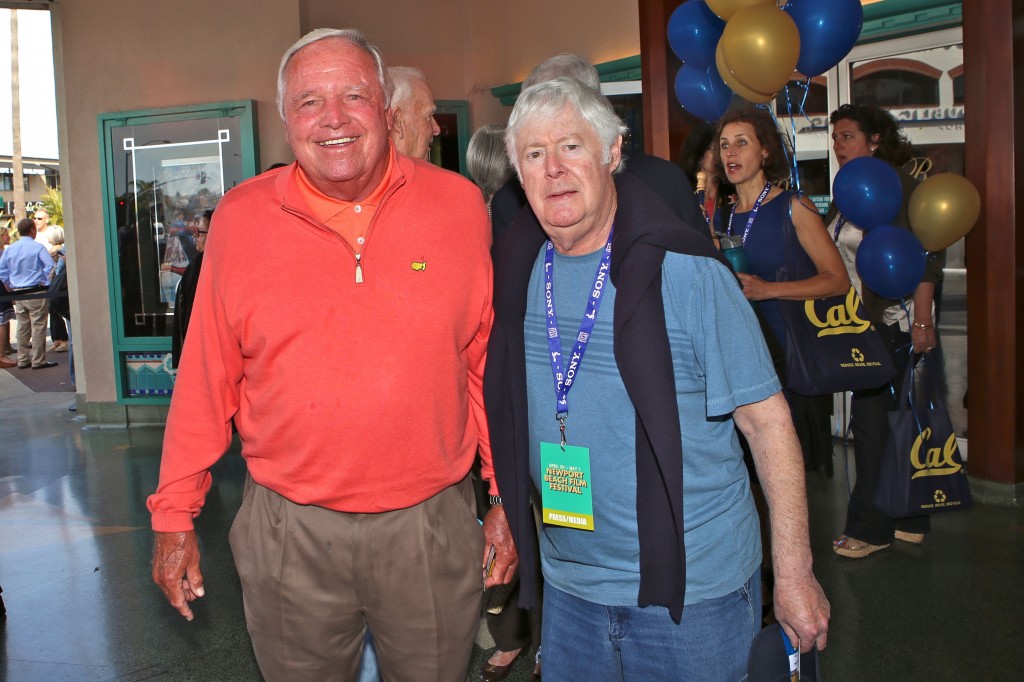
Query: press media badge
[(566, 497)]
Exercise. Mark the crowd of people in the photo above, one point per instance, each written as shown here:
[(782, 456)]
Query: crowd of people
[(28, 267), (629, 510)]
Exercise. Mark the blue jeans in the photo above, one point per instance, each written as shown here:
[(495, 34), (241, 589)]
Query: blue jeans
[(587, 641), (368, 670)]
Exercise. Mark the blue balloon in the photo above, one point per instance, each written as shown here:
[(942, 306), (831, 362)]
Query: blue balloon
[(828, 31), (702, 92), (867, 191), (693, 33), (891, 261)]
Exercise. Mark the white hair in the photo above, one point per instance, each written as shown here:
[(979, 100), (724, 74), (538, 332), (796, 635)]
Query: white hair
[(486, 159), (402, 78), (351, 35), (549, 98)]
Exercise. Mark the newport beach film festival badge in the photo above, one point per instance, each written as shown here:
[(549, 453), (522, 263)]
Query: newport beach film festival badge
[(565, 486)]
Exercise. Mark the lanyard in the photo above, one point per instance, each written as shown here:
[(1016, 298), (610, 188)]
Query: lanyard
[(840, 221), (564, 378), (753, 212)]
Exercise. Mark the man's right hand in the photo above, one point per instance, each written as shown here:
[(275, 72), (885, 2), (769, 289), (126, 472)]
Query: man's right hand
[(176, 569)]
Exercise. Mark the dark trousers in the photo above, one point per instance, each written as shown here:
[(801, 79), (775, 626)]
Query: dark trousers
[(514, 628), (870, 427), (58, 329)]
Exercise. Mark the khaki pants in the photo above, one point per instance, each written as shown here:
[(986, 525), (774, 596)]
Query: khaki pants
[(313, 579), (32, 317)]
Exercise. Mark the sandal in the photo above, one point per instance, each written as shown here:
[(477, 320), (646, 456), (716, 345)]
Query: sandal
[(912, 538), (852, 548)]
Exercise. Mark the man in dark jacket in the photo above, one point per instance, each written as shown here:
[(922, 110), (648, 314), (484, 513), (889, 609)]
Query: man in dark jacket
[(641, 483)]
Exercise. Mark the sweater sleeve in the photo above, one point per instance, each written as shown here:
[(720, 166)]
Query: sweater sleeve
[(477, 357), (206, 397)]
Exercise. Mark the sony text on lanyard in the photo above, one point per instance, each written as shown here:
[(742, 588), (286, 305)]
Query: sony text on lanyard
[(753, 212), (564, 378)]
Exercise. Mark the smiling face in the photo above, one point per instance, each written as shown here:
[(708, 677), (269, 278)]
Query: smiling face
[(567, 183), (849, 141), (742, 154), (335, 119)]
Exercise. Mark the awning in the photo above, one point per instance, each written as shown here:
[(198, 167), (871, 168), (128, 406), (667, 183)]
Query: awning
[(29, 168)]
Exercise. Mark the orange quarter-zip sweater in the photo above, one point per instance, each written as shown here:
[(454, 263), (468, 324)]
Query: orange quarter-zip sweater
[(355, 384)]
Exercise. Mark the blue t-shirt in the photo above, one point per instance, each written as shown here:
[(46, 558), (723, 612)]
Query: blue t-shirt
[(720, 362)]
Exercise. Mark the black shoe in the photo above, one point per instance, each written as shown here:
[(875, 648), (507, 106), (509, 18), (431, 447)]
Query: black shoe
[(48, 363)]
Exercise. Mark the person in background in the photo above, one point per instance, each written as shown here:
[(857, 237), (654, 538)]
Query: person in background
[(859, 131), (25, 268), (699, 160), (486, 160), (361, 448), (6, 313), (52, 237), (663, 585), (186, 293), (765, 218), (413, 125), (513, 629)]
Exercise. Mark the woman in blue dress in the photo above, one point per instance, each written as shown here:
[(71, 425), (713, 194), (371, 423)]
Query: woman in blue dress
[(782, 235)]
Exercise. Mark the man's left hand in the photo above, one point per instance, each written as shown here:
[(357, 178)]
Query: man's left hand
[(506, 558), (803, 611)]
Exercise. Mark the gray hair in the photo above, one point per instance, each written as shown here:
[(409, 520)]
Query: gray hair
[(351, 35), (486, 159), (548, 98), (564, 65), (402, 77)]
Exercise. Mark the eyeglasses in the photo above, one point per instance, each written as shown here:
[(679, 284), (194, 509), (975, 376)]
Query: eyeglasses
[(38, 218), (202, 231)]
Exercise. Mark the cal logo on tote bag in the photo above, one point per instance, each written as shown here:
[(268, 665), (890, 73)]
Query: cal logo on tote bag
[(830, 348)]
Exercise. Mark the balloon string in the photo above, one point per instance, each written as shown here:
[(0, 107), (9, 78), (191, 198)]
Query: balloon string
[(805, 85), (790, 157)]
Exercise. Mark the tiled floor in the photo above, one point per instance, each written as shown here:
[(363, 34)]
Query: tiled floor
[(75, 549)]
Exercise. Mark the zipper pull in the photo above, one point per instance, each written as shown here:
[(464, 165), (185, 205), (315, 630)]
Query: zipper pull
[(359, 268)]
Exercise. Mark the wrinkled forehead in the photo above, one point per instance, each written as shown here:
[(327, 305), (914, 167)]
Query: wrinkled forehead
[(331, 60), (553, 123)]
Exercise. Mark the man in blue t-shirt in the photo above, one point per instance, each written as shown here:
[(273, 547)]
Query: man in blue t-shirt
[(623, 358)]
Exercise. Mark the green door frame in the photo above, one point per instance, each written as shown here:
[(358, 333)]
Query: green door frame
[(460, 108), (245, 111)]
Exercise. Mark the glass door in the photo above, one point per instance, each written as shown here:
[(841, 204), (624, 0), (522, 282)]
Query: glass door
[(164, 169)]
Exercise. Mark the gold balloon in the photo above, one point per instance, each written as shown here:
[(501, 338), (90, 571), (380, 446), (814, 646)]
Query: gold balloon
[(726, 8), (761, 45), (740, 89), (943, 209)]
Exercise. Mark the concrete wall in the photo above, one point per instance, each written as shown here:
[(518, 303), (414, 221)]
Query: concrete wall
[(121, 55), (466, 47)]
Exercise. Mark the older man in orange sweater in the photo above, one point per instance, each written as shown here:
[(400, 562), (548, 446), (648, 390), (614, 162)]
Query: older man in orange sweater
[(358, 511)]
